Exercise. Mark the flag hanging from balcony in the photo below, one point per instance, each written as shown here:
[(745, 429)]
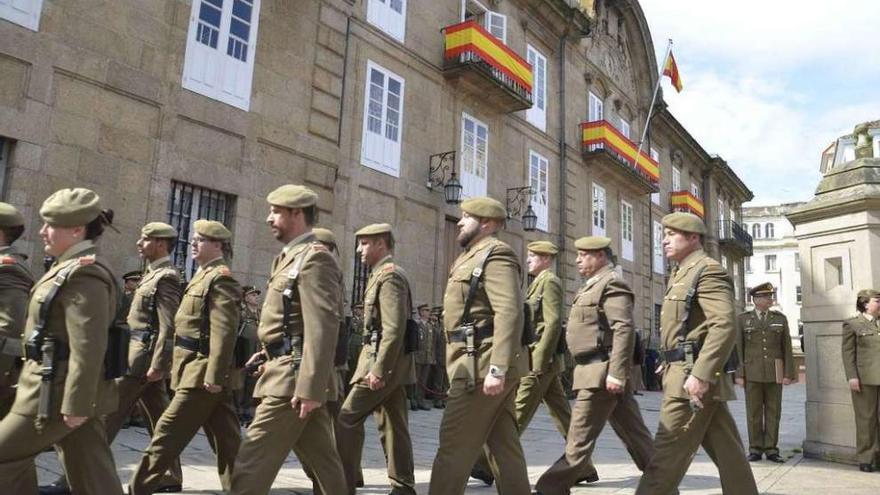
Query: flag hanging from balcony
[(670, 69), (469, 36)]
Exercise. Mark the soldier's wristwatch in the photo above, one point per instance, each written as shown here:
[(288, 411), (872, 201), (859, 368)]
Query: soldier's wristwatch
[(496, 372)]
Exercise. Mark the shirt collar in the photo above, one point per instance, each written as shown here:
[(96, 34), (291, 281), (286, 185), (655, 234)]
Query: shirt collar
[(602, 271), (159, 262), (386, 259), (76, 249), (212, 262), (305, 236), (867, 316)]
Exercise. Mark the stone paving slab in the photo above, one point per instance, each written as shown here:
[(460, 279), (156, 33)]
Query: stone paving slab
[(542, 445)]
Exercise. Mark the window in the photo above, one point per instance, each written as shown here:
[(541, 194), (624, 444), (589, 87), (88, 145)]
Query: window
[(676, 179), (494, 22), (736, 294), (596, 110), (799, 295), (724, 261), (187, 204), (538, 170), (598, 209), (695, 190), (624, 128), (732, 215), (657, 248), (22, 12), (797, 262), (474, 156), (383, 117), (756, 230), (537, 114), (359, 282), (389, 16), (5, 148), (721, 219), (747, 261), (770, 263), (655, 155), (768, 231), (658, 309), (220, 50), (626, 230)]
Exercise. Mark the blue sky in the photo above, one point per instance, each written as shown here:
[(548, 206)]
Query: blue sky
[(770, 84)]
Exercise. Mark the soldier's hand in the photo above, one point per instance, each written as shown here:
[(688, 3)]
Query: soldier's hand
[(154, 375), (696, 388), (210, 387), (786, 381), (374, 382), (493, 385), (74, 421), (251, 363), (740, 381), (613, 388), (855, 385), (305, 406)]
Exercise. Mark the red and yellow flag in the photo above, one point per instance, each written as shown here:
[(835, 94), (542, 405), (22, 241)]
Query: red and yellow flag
[(469, 36), (670, 69)]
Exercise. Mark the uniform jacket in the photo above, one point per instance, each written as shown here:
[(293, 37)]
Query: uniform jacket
[(426, 354), (712, 323), (387, 299), (861, 350), (314, 316), (79, 318), (545, 299), (214, 285), (760, 344), (606, 294), (498, 302), (162, 284), (15, 284)]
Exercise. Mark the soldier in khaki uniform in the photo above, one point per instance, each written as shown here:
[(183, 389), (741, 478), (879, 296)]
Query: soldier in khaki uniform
[(205, 326), (425, 359), (860, 347), (439, 381), (696, 385), (485, 357), (384, 367), (82, 295), (247, 338), (299, 328), (600, 337), (766, 364), (15, 283)]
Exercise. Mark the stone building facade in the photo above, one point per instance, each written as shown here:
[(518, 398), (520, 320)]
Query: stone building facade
[(178, 109)]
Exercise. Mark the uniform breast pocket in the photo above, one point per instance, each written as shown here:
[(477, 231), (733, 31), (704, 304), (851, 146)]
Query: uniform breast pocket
[(459, 283), (586, 309), (195, 299), (673, 307), (748, 332)]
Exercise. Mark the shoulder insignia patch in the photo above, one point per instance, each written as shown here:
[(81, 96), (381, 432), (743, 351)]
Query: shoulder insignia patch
[(87, 260), (389, 268), (7, 260), (224, 270)]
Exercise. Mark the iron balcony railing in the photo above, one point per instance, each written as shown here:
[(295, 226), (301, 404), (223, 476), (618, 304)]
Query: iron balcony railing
[(730, 232)]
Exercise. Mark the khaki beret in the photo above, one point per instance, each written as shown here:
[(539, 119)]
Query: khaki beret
[(9, 216), (484, 207), (685, 222), (250, 289), (159, 230), (423, 306), (212, 229), (132, 275), (869, 293), (71, 207), (292, 196), (543, 247), (592, 243), (765, 289), (324, 235), (375, 229)]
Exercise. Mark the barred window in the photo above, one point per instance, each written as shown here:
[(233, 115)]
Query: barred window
[(361, 276), (187, 204)]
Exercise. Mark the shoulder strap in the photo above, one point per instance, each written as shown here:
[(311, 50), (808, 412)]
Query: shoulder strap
[(476, 275), (688, 304), (57, 283), (291, 287)]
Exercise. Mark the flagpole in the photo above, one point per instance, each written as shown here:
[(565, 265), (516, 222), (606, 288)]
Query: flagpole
[(653, 100)]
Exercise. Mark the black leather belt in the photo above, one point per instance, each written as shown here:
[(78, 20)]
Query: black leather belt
[(190, 344), (285, 347), (142, 336), (34, 353), (678, 354), (592, 357), (458, 335)]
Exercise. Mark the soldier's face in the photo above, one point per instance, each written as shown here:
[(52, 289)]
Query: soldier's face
[(873, 307), (677, 244), (148, 248), (372, 249), (131, 284), (537, 263), (763, 303), (468, 229), (283, 222), (204, 250), (589, 262), (425, 313), (56, 240)]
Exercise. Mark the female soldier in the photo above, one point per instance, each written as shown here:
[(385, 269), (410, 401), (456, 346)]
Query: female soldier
[(70, 311), (861, 362)]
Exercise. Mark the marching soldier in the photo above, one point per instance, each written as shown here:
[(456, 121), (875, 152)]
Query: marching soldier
[(64, 387), (299, 327), (15, 283), (424, 358), (486, 355), (600, 337), (860, 347), (698, 335), (205, 326), (766, 364)]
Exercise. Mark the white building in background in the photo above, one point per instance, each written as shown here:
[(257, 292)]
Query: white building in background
[(775, 260)]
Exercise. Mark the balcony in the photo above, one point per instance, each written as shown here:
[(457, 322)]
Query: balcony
[(486, 67), (732, 235), (687, 202), (605, 146)]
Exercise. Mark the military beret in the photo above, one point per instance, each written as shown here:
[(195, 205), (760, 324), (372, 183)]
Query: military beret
[(324, 235), (543, 247), (292, 196), (592, 243), (685, 222), (212, 229), (484, 207), (420, 306), (159, 230), (764, 289), (250, 289), (71, 207), (375, 229), (9, 216), (132, 275), (869, 293)]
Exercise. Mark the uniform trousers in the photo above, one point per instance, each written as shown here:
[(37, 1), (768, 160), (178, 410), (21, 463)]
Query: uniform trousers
[(680, 434), (865, 404), (592, 409), (475, 422), (8, 378), (388, 406), (83, 451), (763, 407), (189, 410)]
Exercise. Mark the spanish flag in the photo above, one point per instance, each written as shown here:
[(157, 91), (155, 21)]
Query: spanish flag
[(670, 68)]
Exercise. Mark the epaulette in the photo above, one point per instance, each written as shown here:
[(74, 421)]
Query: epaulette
[(389, 268), (7, 260), (87, 260), (224, 271)]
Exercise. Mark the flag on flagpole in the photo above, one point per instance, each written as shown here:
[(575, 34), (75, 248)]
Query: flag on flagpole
[(670, 69)]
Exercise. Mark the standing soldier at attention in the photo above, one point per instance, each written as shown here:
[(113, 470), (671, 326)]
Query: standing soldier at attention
[(65, 387), (130, 281), (861, 362), (299, 327), (205, 328), (15, 283), (485, 356), (698, 336), (249, 344), (439, 381), (766, 364), (384, 367), (601, 337), (425, 359)]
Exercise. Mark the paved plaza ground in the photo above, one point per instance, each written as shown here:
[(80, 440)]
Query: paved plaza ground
[(542, 445)]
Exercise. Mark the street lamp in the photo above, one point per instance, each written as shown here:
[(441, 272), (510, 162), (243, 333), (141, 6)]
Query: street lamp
[(519, 199), (438, 166)]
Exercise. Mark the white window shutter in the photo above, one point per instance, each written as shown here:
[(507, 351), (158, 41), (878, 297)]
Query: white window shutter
[(538, 181), (626, 231), (389, 16), (598, 210), (496, 24), (383, 119), (25, 13), (537, 114), (474, 156)]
